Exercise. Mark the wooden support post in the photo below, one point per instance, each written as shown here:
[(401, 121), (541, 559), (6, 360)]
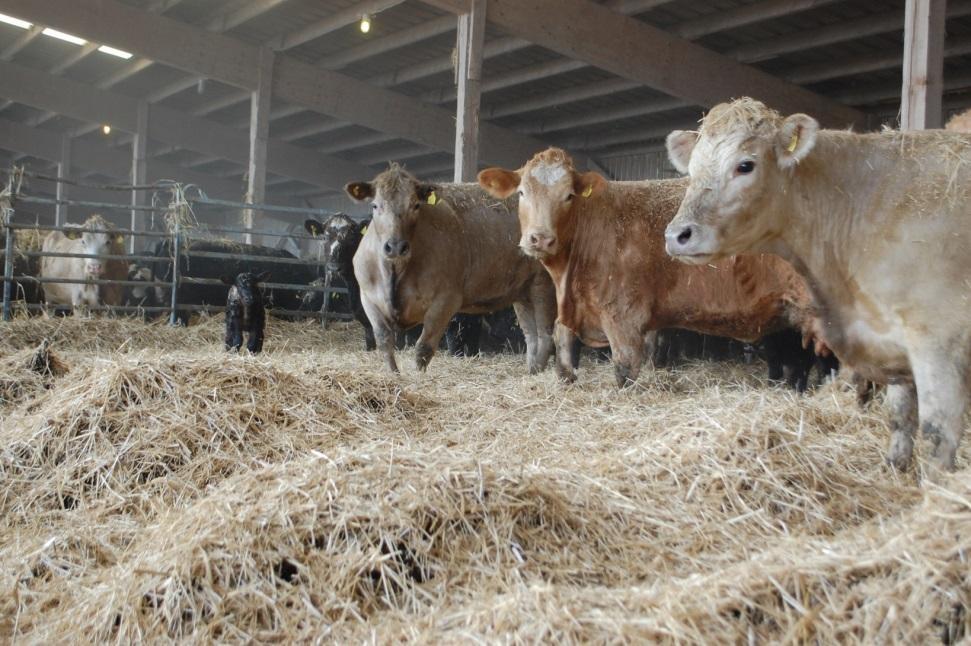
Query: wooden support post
[(920, 99), (139, 174), (259, 133), (468, 73), (63, 170)]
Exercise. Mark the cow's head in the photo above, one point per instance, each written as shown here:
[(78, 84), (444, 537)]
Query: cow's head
[(739, 163), (396, 198), (97, 243), (549, 188), (339, 237)]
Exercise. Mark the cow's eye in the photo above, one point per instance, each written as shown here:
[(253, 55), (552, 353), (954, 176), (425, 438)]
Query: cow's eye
[(374, 207), (569, 197), (745, 167), (520, 193)]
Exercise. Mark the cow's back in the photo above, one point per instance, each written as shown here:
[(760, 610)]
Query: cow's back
[(469, 243), (618, 268)]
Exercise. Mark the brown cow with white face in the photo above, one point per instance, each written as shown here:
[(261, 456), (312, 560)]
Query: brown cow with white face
[(880, 225), (602, 243), (434, 250)]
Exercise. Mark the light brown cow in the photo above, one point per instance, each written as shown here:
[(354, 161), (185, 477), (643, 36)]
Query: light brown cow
[(880, 224), (84, 242), (602, 243), (434, 250)]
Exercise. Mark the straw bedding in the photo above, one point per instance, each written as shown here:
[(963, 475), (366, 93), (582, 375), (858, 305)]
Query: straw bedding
[(154, 488)]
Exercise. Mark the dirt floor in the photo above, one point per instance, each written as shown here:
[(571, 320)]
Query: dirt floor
[(153, 487)]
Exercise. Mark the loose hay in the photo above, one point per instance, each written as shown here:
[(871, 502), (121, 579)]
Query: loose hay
[(156, 488)]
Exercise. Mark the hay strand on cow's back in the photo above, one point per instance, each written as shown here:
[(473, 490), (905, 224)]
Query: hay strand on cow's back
[(162, 489)]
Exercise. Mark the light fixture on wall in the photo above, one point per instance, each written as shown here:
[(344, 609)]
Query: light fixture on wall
[(106, 129), (365, 23)]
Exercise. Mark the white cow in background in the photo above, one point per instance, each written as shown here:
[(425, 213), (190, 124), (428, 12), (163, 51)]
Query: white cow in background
[(84, 242)]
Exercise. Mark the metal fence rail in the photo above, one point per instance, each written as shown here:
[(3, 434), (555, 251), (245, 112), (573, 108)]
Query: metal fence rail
[(181, 243)]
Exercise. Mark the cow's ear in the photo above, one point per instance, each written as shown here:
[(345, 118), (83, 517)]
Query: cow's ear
[(589, 184), (680, 143), (360, 191), (796, 139), (499, 182), (427, 193), (227, 280), (262, 277), (313, 227)]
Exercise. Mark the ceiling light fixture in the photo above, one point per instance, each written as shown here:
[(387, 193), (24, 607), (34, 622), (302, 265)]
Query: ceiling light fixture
[(106, 129), (365, 24), (16, 22), (120, 53), (60, 35)]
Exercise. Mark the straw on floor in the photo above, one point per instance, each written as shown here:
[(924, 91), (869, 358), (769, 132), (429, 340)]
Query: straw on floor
[(153, 487)]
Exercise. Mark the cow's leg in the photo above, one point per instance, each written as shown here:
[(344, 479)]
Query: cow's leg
[(256, 331), (234, 331), (566, 352), (433, 328), (941, 377), (384, 336), (543, 302), (462, 335), (650, 346), (527, 323), (627, 350), (575, 350), (354, 293), (902, 406)]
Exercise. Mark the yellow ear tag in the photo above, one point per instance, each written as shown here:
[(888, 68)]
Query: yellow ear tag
[(363, 231), (793, 143), (432, 198), (587, 192)]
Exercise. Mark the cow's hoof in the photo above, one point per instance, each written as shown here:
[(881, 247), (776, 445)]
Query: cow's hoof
[(624, 376), (567, 377), (901, 449)]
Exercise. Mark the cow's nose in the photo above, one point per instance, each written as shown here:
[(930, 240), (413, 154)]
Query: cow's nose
[(396, 248), (541, 241), (684, 235), (678, 237)]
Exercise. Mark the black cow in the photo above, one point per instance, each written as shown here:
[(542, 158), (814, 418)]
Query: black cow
[(244, 310), (194, 266), (143, 296), (26, 290), (789, 360), (339, 237)]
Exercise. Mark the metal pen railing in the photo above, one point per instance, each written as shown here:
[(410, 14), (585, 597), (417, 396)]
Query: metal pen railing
[(180, 247)]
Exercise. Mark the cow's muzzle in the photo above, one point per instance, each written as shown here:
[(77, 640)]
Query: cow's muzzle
[(538, 244), (688, 242), (396, 248)]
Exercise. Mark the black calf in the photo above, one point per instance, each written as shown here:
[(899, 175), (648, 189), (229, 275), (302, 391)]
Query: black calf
[(789, 360), (244, 309)]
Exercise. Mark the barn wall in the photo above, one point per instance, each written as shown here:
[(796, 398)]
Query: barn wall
[(654, 165)]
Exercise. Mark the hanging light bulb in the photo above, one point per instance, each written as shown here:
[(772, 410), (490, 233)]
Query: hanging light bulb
[(365, 23), (106, 129)]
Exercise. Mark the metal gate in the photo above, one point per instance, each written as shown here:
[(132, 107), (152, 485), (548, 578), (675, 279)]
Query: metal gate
[(175, 204)]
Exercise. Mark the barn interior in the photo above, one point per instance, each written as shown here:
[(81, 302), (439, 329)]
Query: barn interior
[(156, 488)]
